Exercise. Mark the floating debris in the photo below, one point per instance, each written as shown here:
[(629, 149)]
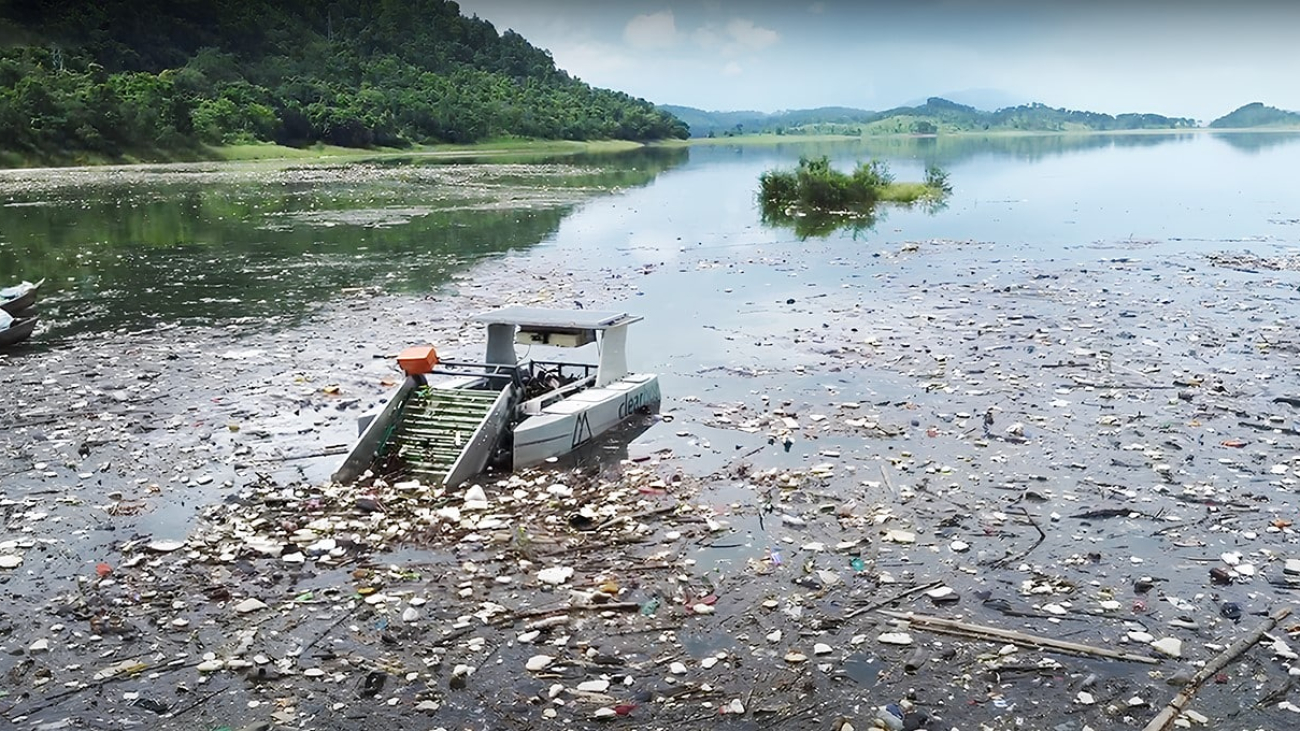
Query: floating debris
[(924, 445)]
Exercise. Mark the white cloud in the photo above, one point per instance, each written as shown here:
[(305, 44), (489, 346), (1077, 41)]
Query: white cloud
[(738, 36), (1201, 62), (706, 37), (651, 31), (749, 36), (594, 63)]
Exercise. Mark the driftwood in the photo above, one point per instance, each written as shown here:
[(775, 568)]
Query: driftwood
[(592, 546), (1235, 650), (1122, 386), (965, 629), (332, 451), (569, 608)]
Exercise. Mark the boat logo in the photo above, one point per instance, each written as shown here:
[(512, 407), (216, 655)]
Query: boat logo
[(581, 430), (632, 402)]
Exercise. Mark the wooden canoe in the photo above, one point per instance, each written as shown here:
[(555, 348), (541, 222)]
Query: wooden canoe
[(22, 301), (18, 331)]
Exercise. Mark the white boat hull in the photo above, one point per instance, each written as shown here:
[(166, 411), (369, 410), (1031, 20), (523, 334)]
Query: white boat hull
[(570, 423)]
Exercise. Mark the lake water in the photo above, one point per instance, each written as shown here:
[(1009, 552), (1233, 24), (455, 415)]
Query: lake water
[(1067, 289), (138, 247)]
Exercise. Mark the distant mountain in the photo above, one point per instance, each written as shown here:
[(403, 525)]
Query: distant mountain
[(714, 124), (936, 115), (1256, 114), (987, 100)]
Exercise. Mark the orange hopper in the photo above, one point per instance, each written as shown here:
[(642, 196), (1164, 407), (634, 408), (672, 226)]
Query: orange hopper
[(418, 360)]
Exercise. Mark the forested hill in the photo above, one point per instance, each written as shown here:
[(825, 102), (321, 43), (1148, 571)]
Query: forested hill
[(936, 115), (109, 77), (1256, 114)]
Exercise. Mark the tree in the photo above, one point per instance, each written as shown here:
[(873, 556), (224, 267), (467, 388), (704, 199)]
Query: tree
[(141, 74)]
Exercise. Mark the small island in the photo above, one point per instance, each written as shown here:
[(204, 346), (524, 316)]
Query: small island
[(1257, 115), (816, 199)]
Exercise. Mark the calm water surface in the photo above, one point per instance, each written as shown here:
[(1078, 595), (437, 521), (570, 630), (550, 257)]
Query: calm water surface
[(137, 248)]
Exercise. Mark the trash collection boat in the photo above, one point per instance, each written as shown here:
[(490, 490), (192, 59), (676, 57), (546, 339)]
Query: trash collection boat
[(19, 297), (449, 420)]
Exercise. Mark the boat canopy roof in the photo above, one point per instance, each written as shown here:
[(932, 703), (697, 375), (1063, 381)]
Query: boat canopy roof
[(542, 318)]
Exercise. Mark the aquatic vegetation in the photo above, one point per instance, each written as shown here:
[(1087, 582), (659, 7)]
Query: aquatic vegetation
[(817, 199)]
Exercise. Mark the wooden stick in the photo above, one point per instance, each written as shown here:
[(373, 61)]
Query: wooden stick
[(332, 451), (567, 608), (638, 516), (1268, 427), (1041, 537), (207, 697), (1235, 650), (327, 630), (888, 482), (886, 602), (56, 698), (1132, 386), (953, 627)]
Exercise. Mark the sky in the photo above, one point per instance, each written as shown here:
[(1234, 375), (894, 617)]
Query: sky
[(1183, 58)]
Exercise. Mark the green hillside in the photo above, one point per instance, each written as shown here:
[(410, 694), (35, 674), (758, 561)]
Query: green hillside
[(145, 77), (1256, 114), (718, 124), (935, 116)]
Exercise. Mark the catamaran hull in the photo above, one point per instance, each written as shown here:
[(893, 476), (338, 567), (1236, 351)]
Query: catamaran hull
[(376, 429), (572, 422)]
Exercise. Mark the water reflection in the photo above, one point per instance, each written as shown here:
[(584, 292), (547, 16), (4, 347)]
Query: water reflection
[(637, 162), (819, 224), (1257, 142), (138, 247), (950, 150)]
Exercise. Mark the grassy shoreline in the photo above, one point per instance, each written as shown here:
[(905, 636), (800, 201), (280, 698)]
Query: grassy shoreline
[(266, 152), (494, 147)]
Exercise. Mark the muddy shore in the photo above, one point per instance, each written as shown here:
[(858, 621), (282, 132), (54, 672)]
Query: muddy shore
[(1103, 453)]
